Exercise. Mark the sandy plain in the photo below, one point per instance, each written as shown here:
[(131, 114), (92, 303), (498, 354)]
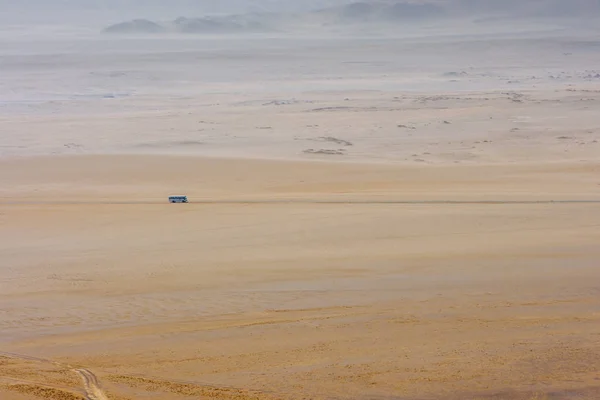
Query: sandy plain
[(362, 224)]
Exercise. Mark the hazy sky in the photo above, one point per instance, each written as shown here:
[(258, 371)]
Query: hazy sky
[(98, 12), (59, 11)]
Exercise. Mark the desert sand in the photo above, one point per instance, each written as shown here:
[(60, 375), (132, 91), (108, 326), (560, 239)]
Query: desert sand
[(409, 217)]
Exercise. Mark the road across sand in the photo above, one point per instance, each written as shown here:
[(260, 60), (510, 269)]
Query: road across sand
[(309, 201)]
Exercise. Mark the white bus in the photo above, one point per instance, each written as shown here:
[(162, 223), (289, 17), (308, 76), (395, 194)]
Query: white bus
[(178, 199)]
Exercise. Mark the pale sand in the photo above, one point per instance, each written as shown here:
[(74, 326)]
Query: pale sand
[(320, 256), (298, 299)]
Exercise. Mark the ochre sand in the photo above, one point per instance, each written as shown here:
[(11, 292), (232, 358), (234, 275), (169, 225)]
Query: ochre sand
[(260, 289)]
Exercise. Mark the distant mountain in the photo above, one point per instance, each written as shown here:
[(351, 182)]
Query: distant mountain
[(219, 25), (136, 26), (420, 9), (101, 12), (565, 8), (380, 11), (385, 13), (205, 25), (527, 8)]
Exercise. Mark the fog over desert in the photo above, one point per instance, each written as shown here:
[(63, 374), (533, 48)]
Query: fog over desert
[(388, 200)]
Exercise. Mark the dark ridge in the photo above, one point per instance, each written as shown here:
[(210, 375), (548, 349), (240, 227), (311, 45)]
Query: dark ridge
[(135, 26)]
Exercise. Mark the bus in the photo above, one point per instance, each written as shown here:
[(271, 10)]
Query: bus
[(178, 199)]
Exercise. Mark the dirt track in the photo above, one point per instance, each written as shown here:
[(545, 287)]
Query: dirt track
[(91, 386), (310, 201)]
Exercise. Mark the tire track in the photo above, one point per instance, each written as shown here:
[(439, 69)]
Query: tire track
[(92, 390), (91, 385)]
